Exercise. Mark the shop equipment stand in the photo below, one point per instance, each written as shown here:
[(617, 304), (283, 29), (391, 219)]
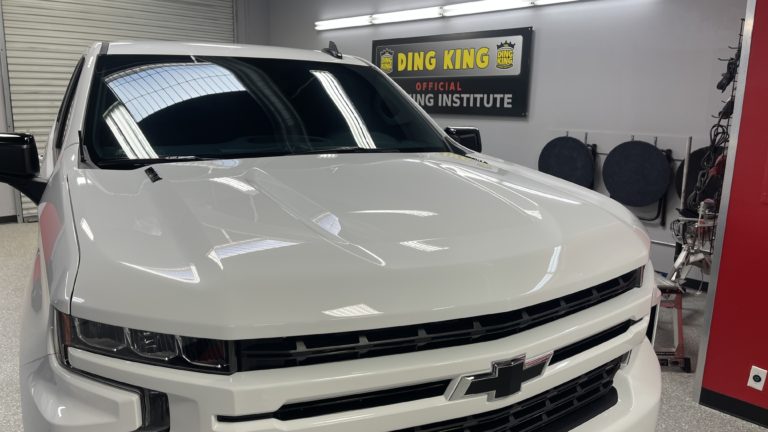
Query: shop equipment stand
[(672, 298)]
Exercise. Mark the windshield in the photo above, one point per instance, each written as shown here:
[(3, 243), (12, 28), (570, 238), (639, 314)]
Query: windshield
[(155, 108)]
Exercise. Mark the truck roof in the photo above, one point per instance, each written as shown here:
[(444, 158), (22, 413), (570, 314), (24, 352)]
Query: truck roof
[(219, 49)]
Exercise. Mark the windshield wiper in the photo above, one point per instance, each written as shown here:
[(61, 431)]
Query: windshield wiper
[(143, 162), (347, 149)]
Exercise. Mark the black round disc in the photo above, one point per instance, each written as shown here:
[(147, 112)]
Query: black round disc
[(636, 173), (569, 159), (697, 159)]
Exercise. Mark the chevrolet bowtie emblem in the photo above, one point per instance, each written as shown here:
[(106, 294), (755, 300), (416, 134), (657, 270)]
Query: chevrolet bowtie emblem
[(505, 378)]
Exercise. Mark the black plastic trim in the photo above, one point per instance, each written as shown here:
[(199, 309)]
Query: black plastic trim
[(468, 137), (590, 342), (260, 354), (735, 407), (21, 166), (155, 409), (390, 396), (332, 50), (577, 418), (32, 187), (66, 106), (348, 403), (652, 324)]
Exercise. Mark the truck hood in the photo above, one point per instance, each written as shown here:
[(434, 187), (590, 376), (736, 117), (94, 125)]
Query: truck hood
[(292, 245)]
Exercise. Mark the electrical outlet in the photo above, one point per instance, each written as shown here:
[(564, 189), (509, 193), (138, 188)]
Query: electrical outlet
[(757, 378)]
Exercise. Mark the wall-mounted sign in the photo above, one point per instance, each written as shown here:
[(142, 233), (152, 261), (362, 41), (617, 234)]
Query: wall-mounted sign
[(482, 73)]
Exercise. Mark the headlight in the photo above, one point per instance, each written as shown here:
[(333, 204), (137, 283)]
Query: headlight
[(180, 352)]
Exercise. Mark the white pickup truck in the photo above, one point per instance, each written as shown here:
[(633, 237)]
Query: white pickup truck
[(250, 239)]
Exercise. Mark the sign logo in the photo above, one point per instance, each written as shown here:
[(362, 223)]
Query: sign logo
[(505, 379), (386, 60), (505, 55), (478, 73)]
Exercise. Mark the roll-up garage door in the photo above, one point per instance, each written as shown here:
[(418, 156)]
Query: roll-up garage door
[(45, 38)]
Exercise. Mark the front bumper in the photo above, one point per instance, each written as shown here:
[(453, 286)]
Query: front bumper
[(639, 388), (54, 398), (196, 400)]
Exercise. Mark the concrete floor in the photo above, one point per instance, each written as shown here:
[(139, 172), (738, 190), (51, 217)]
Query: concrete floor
[(679, 411), (17, 247)]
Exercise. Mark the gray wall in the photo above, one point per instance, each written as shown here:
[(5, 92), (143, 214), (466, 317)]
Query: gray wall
[(252, 21), (613, 68)]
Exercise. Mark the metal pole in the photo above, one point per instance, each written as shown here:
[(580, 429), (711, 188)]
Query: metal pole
[(663, 243), (683, 194)]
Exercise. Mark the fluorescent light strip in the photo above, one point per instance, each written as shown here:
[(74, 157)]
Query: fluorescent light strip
[(466, 8), (549, 2), (356, 21), (484, 6), (407, 15)]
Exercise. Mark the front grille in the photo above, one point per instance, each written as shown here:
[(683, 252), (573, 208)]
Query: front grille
[(571, 350), (293, 351), (348, 403), (559, 409), (411, 393)]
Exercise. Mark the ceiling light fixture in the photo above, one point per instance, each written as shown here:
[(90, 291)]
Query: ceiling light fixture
[(407, 15), (357, 21), (475, 7), (549, 2), (457, 9)]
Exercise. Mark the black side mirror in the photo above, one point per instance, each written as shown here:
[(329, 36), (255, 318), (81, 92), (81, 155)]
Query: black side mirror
[(20, 166), (469, 137)]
